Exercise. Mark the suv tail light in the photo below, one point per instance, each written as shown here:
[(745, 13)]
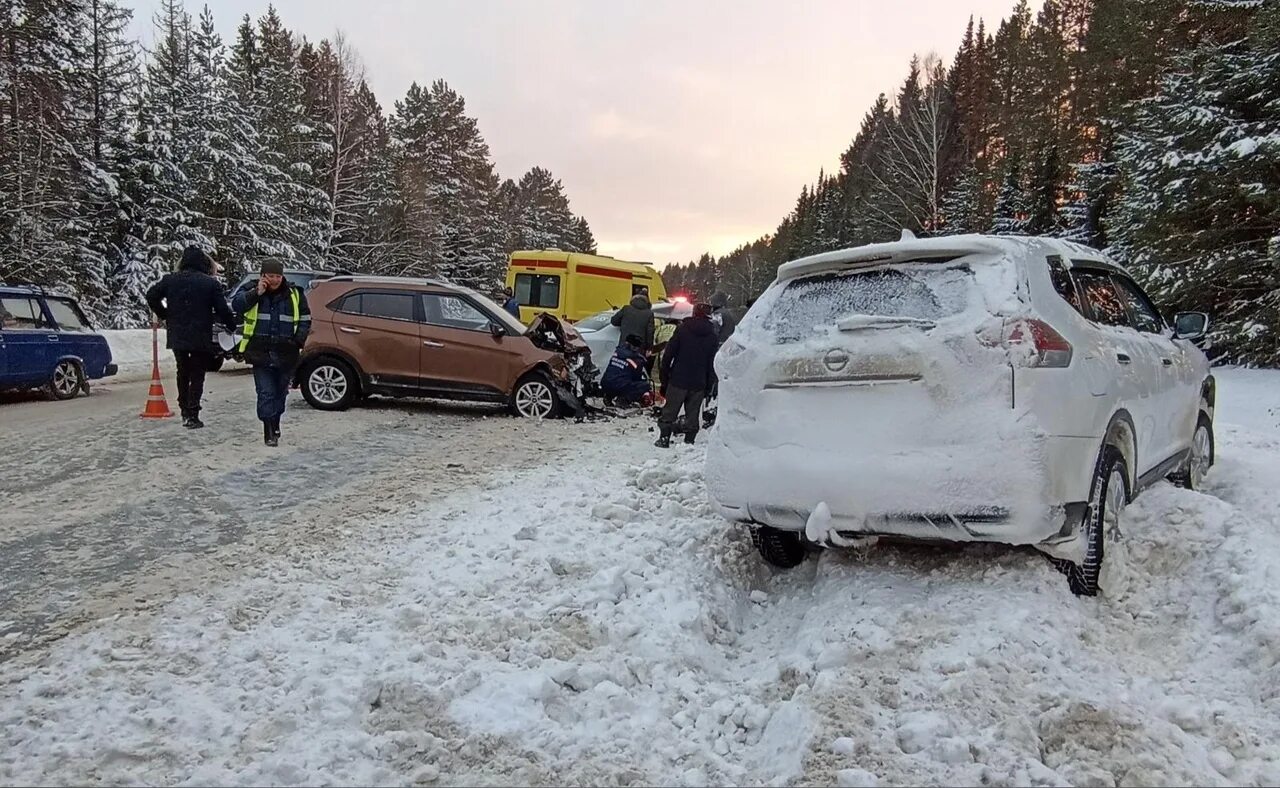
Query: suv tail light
[(1035, 343)]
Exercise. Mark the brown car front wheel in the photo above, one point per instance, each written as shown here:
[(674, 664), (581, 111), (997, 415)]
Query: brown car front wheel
[(330, 384), (535, 397)]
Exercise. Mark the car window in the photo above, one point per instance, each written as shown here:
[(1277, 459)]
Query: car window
[(392, 306), (300, 281), (1063, 283), (450, 311), (1146, 318), (813, 303), (67, 315), (1105, 303), (21, 312), (538, 290)]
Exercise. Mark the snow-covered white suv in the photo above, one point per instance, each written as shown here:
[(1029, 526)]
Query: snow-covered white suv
[(968, 388)]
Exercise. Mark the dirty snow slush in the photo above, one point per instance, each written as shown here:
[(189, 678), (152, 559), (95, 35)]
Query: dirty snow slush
[(595, 623)]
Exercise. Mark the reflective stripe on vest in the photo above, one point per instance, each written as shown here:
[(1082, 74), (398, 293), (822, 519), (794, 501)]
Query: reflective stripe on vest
[(251, 319)]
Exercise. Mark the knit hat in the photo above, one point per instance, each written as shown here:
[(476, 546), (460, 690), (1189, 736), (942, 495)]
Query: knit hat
[(194, 259), (272, 267), (702, 310)]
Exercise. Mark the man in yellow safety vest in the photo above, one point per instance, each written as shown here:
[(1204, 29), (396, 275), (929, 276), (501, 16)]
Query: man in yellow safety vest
[(276, 323)]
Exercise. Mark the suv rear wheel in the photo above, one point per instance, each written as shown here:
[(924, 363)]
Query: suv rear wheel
[(783, 549), (330, 384), (66, 381), (535, 397), (1102, 526)]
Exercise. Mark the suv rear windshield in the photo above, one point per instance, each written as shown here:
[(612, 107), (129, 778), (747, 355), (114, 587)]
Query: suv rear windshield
[(927, 292)]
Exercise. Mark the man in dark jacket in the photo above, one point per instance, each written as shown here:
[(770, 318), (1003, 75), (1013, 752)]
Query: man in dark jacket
[(509, 303), (276, 323), (687, 374), (636, 319), (624, 379), (726, 322), (188, 301)]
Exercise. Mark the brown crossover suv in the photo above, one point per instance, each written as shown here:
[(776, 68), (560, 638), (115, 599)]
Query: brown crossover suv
[(402, 337)]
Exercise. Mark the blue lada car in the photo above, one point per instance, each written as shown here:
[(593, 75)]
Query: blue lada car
[(47, 342)]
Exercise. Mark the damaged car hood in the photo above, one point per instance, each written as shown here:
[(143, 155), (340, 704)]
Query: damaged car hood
[(549, 333)]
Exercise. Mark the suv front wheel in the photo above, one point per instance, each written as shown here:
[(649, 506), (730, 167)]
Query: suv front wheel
[(535, 397), (329, 384)]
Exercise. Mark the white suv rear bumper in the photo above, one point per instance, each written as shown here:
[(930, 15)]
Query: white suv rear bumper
[(954, 495)]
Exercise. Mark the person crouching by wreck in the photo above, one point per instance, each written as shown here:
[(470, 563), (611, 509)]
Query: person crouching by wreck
[(625, 381), (276, 322)]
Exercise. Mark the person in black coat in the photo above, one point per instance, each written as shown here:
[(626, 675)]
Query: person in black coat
[(636, 319), (687, 373), (188, 301)]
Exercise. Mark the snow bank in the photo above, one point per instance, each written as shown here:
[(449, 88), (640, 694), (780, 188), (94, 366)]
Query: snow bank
[(131, 351)]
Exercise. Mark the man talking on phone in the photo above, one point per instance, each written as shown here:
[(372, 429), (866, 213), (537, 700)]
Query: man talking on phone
[(276, 323)]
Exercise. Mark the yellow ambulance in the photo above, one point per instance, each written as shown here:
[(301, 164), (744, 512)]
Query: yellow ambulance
[(573, 285)]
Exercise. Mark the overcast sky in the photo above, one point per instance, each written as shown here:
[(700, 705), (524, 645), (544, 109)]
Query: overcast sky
[(677, 126)]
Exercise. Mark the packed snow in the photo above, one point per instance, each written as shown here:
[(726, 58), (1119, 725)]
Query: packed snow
[(594, 622)]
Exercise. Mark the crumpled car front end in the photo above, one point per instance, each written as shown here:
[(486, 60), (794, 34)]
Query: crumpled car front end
[(576, 376)]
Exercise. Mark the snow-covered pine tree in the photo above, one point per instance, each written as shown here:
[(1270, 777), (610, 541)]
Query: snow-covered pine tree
[(1089, 194), (962, 204), (103, 74), (1044, 195), (366, 189), (1201, 212), (289, 144), (1011, 205), (416, 242), (545, 220), (581, 239), (41, 176), (158, 180)]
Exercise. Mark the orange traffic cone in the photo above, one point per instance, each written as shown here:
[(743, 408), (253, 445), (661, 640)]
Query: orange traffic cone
[(157, 406)]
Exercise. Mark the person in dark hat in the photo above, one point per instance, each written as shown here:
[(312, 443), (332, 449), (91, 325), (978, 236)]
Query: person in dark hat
[(276, 323), (687, 374), (726, 322), (188, 301)]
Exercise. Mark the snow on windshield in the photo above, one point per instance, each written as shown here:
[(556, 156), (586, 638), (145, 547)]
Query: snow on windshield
[(926, 292)]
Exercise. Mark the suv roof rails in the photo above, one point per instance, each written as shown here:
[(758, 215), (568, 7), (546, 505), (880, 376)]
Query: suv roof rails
[(402, 280)]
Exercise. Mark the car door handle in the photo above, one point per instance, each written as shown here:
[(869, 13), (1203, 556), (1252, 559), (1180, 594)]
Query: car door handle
[(1168, 362), (348, 330), (52, 337), (429, 343), (1124, 358)]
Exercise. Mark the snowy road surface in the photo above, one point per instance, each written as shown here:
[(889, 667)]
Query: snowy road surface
[(105, 512), (568, 611)]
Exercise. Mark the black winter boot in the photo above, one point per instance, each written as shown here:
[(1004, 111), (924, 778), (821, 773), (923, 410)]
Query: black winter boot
[(193, 421), (275, 426), (269, 434), (664, 440), (690, 436)]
